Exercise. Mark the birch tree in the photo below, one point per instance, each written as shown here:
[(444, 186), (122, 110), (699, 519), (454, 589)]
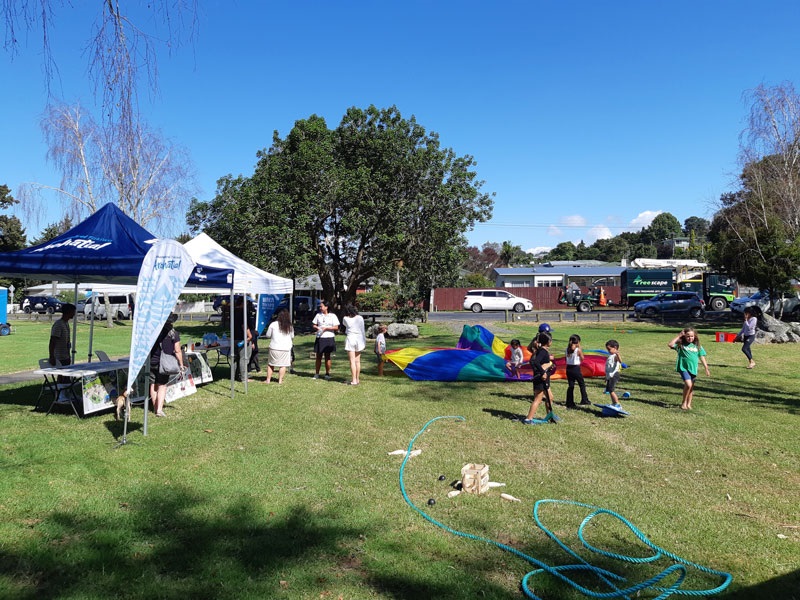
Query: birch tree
[(143, 173), (756, 232)]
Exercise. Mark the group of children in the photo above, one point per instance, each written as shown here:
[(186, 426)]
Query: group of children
[(687, 345)]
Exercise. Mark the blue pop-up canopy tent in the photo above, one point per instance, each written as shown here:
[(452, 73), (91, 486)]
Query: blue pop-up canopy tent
[(108, 247)]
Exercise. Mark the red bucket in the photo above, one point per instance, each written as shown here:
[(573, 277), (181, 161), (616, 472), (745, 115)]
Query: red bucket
[(722, 336)]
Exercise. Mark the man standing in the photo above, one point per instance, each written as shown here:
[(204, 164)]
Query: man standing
[(241, 339), (60, 337)]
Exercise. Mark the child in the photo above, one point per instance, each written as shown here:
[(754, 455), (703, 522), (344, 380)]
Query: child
[(574, 374), (689, 352), (613, 368), (380, 347), (541, 362), (515, 364), (748, 334)]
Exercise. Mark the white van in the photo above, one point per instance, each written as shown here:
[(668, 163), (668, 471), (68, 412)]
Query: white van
[(121, 306)]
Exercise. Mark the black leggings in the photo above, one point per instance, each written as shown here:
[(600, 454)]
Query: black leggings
[(748, 341), (574, 376)]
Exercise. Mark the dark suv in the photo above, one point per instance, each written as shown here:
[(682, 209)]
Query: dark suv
[(671, 303), (40, 304)]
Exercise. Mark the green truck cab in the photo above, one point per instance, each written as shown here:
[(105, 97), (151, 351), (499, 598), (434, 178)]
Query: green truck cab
[(718, 290)]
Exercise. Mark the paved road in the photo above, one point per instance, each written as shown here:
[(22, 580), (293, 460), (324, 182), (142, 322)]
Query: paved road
[(612, 315)]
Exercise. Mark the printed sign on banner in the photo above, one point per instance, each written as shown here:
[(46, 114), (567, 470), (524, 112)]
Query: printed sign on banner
[(266, 307), (165, 270)]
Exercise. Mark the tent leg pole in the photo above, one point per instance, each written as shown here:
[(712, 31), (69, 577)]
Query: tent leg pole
[(231, 354)]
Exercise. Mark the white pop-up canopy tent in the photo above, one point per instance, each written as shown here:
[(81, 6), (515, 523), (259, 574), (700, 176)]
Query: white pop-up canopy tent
[(248, 279)]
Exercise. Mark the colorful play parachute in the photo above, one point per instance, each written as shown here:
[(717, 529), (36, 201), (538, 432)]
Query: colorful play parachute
[(481, 356)]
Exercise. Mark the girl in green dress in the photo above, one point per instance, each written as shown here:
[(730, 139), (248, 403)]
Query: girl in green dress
[(690, 352)]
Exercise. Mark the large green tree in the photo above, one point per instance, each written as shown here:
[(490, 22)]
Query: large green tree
[(696, 225), (353, 204)]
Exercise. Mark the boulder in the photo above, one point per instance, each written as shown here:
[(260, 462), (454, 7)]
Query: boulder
[(764, 337), (403, 330), (394, 330), (773, 325)]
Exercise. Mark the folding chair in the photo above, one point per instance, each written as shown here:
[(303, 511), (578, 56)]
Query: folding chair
[(55, 388), (48, 385), (223, 354), (102, 356)]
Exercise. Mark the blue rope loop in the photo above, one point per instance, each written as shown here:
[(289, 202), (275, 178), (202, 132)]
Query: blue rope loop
[(617, 584)]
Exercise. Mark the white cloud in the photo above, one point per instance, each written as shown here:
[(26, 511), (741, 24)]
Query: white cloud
[(554, 231), (643, 219), (598, 232), (539, 250), (573, 221)]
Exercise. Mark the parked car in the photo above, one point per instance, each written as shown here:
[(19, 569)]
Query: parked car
[(497, 299), (790, 300), (671, 303), (121, 306), (40, 304)]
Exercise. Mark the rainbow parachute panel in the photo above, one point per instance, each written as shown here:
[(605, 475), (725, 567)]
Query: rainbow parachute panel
[(481, 356)]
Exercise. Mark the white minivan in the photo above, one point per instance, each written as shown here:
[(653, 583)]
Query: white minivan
[(497, 299), (121, 306)]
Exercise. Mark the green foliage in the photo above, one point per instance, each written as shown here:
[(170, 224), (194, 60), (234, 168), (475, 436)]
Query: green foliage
[(475, 280), (759, 253), (377, 299), (12, 234), (53, 230), (563, 251), (513, 256), (696, 226), (6, 199), (663, 227), (356, 203)]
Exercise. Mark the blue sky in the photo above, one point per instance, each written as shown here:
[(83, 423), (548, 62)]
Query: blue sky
[(586, 118)]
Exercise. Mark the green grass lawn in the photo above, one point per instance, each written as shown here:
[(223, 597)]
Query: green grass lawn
[(288, 491)]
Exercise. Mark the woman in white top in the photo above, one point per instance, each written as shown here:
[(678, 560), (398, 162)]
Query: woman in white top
[(574, 374), (280, 333), (355, 341)]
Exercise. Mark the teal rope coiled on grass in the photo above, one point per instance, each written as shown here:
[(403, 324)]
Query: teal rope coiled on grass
[(678, 570)]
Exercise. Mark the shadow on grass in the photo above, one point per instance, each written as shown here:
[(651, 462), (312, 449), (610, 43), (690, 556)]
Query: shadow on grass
[(727, 389), (24, 394), (504, 414), (165, 545), (785, 586), (174, 544)]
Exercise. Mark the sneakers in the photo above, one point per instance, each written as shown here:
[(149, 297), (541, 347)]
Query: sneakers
[(572, 406), (316, 375), (553, 418), (327, 377), (531, 421), (617, 405), (161, 413), (585, 403)]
